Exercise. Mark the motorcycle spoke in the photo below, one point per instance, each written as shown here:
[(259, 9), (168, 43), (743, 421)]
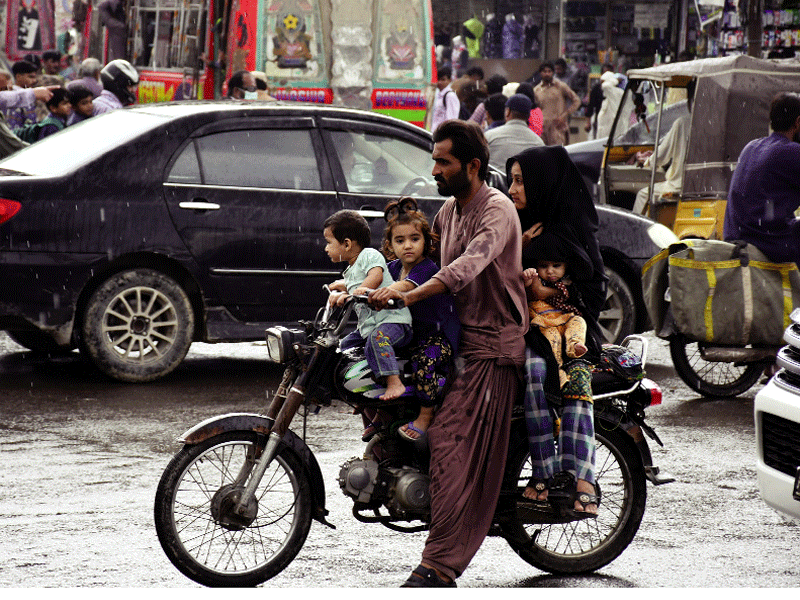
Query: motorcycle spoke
[(224, 548)]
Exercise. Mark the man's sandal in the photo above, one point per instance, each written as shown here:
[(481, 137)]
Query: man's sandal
[(424, 577), (564, 493), (539, 486)]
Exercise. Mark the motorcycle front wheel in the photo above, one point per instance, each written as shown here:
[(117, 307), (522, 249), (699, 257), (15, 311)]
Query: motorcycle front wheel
[(585, 545), (198, 529), (715, 379)]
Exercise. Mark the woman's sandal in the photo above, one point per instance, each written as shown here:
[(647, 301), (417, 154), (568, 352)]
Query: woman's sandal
[(539, 486), (426, 578), (585, 499), (405, 435)]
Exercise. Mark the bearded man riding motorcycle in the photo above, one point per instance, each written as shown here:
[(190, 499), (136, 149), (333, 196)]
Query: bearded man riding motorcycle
[(481, 265)]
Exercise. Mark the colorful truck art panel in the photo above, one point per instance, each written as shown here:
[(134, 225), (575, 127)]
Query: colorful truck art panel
[(30, 28)]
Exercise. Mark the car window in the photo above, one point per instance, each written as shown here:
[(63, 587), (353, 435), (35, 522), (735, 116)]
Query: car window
[(374, 163), (265, 158), (56, 154), (186, 168)]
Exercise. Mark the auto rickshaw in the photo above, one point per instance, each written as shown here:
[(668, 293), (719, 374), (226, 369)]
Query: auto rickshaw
[(730, 108)]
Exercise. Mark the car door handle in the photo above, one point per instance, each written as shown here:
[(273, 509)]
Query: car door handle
[(198, 204), (370, 213)]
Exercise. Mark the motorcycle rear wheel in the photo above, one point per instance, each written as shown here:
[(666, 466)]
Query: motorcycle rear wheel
[(192, 510), (585, 545), (715, 379)]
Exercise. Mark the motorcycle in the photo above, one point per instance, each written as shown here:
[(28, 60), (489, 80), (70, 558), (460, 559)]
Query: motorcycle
[(235, 504)]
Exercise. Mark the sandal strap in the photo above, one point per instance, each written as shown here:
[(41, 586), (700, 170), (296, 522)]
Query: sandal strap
[(430, 578), (539, 484)]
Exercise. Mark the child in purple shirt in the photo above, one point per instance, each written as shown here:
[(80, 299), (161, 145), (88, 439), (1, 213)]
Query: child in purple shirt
[(435, 325)]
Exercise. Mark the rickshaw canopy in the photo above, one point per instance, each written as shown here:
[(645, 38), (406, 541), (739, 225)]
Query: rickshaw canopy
[(730, 108)]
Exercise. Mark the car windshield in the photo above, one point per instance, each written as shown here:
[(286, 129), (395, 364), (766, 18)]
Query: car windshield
[(79, 144)]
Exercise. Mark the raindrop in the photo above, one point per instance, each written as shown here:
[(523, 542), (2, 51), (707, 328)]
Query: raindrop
[(102, 215)]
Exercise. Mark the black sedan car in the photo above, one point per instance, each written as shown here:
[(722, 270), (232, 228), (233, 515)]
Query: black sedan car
[(135, 233)]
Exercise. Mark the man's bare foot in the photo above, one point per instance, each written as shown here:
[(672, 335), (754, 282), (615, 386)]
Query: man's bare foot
[(585, 486), (394, 388)]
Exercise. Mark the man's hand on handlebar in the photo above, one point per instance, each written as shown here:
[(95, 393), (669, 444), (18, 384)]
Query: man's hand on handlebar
[(380, 298)]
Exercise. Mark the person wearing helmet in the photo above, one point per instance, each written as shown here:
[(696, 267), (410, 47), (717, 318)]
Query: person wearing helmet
[(119, 80)]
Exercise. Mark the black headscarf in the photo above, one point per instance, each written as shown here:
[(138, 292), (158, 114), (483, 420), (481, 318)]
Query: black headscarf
[(557, 197)]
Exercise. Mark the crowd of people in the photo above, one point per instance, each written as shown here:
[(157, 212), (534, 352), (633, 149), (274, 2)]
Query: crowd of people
[(40, 97), (552, 101)]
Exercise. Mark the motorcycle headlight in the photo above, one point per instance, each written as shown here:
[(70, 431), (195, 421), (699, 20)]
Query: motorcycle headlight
[(281, 342)]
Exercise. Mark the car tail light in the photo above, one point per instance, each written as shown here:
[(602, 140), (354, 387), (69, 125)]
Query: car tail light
[(8, 208), (654, 391)]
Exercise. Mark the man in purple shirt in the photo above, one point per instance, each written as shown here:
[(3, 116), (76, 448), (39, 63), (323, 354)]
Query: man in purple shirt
[(765, 188)]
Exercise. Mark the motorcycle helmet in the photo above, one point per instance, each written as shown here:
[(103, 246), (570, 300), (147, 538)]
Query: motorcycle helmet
[(117, 76)]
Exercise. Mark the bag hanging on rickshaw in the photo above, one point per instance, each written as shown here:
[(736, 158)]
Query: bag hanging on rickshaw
[(729, 293)]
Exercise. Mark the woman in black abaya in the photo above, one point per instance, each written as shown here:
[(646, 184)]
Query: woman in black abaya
[(550, 195)]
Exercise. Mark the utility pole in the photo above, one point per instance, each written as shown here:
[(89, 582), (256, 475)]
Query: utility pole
[(755, 28)]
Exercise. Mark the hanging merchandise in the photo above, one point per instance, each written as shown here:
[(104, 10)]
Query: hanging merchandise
[(460, 56), (493, 37), (533, 45), (473, 32), (513, 35)]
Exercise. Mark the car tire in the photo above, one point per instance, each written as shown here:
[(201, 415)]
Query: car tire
[(618, 317), (138, 325)]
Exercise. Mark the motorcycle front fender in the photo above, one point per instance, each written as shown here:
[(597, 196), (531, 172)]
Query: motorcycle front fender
[(260, 424)]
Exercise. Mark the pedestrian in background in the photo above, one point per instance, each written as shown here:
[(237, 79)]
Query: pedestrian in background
[(5, 80), (60, 109), (596, 102), (82, 106), (446, 105), (494, 85), (536, 120), (557, 101), (89, 76), (514, 136), (24, 79), (495, 111)]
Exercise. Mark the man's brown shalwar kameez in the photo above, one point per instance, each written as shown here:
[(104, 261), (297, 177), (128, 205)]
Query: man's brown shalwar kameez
[(481, 262)]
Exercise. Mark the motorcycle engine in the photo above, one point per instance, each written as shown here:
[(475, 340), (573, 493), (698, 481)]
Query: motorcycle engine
[(402, 490)]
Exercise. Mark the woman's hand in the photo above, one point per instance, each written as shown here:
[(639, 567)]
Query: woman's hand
[(379, 298), (531, 233)]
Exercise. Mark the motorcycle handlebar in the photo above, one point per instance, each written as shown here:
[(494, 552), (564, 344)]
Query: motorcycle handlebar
[(394, 303)]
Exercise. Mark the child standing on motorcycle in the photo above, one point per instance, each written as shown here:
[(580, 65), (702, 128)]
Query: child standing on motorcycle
[(348, 238), (409, 241)]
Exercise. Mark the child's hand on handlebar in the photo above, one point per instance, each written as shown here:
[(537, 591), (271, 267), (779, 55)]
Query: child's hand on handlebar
[(381, 297), (338, 298)]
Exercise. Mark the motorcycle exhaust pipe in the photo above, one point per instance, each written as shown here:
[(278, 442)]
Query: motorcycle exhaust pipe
[(733, 354)]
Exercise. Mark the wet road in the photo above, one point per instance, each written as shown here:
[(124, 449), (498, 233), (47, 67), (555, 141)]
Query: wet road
[(81, 455)]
